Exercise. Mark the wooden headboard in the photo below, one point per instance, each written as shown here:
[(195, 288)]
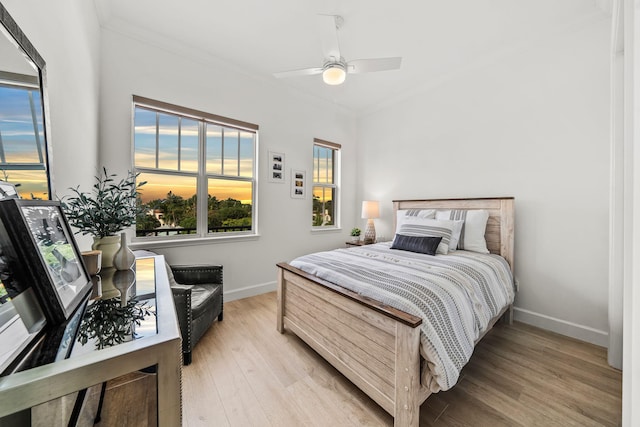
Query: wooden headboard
[(500, 226)]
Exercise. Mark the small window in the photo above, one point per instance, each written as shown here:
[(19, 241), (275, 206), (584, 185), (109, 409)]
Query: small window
[(23, 157), (199, 169), (325, 184)]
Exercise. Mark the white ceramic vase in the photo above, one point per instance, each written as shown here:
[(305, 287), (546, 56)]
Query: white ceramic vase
[(109, 245), (124, 257)]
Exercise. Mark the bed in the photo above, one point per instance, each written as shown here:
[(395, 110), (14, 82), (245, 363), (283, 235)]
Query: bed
[(380, 350)]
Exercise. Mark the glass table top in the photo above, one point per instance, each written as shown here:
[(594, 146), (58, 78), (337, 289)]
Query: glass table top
[(121, 308)]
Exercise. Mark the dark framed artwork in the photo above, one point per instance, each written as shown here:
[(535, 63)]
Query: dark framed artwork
[(45, 244)]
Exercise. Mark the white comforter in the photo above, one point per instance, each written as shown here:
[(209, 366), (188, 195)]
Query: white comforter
[(456, 295)]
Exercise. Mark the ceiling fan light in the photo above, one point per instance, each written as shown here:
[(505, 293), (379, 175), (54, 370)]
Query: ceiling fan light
[(334, 74)]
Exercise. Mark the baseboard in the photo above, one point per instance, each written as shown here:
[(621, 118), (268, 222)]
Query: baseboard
[(573, 330), (249, 291)]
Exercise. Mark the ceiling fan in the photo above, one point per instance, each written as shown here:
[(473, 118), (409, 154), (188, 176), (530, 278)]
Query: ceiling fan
[(334, 70)]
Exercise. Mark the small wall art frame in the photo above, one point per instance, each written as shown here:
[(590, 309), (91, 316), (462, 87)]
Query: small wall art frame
[(44, 242), (298, 184), (276, 167)]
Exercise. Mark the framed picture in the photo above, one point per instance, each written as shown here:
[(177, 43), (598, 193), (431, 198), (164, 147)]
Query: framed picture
[(276, 167), (44, 242), (298, 184)]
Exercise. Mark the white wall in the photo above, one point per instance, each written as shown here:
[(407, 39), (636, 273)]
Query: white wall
[(67, 35), (631, 338), (533, 125), (288, 123)]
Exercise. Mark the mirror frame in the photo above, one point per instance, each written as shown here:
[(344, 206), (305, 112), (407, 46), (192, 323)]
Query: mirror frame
[(23, 42)]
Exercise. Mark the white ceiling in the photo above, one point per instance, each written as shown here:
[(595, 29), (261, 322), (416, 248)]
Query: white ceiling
[(436, 39)]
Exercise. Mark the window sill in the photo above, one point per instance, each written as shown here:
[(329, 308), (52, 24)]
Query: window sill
[(326, 230), (193, 241)]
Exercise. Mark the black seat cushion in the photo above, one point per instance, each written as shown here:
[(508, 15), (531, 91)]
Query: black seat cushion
[(202, 297)]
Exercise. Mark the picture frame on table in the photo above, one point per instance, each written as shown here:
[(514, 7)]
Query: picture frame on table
[(21, 317), (276, 169), (298, 184), (44, 242)]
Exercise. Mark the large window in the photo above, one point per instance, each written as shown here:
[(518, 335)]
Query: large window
[(22, 143), (326, 167), (199, 169)]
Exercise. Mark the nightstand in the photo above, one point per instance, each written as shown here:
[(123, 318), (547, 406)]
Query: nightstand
[(358, 243)]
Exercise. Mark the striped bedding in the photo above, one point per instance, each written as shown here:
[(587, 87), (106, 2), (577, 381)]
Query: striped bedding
[(456, 295)]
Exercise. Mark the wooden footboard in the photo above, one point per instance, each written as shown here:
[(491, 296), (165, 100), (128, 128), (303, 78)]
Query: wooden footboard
[(375, 346)]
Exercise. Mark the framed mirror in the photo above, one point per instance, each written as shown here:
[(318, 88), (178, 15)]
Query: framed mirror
[(24, 160), (24, 142)]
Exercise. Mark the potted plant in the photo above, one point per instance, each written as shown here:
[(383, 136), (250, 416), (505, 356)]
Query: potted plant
[(108, 209), (355, 234)]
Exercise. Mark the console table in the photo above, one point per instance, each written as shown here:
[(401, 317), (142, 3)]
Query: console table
[(90, 364)]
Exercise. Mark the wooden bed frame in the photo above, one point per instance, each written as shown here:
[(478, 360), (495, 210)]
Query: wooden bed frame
[(374, 345)]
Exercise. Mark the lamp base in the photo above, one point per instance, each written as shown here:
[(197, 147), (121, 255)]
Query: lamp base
[(370, 233)]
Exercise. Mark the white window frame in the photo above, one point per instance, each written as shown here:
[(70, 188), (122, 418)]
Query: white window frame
[(335, 185), (202, 234)]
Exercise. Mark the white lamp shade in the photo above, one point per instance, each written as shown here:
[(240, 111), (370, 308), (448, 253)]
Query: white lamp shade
[(334, 75), (370, 209)]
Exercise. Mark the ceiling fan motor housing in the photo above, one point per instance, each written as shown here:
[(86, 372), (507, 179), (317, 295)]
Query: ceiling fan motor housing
[(334, 72)]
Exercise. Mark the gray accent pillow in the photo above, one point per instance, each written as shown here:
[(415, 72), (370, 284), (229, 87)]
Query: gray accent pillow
[(420, 244)]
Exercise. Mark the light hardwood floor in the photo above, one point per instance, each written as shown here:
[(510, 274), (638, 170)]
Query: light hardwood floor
[(244, 373)]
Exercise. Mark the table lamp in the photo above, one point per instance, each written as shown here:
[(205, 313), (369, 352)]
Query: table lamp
[(370, 210)]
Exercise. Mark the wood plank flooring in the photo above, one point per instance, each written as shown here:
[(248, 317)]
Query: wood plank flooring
[(244, 373)]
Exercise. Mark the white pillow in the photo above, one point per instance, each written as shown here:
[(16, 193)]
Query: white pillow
[(405, 214), (429, 228), (475, 225), (455, 234)]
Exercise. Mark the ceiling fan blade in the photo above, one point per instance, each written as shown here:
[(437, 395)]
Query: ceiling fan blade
[(328, 30), (375, 64), (302, 72)]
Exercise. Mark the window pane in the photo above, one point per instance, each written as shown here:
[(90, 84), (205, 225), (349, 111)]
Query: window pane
[(21, 135), (214, 149), (145, 138), (246, 154), (189, 145), (31, 184), (323, 206), (316, 163), (167, 141), (230, 206), (230, 152), (322, 164), (170, 203)]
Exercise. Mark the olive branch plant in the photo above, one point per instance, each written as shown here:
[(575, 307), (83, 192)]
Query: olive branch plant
[(110, 207)]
